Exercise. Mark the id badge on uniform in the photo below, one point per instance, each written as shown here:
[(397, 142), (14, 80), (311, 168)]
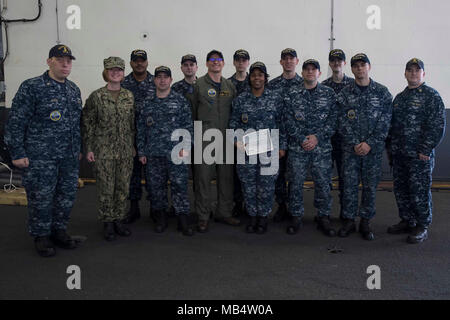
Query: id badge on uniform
[(257, 142)]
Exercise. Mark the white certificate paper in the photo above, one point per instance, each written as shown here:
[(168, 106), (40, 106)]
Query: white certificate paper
[(257, 142)]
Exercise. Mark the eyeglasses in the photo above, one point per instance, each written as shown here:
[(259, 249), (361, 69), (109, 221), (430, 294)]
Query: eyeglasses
[(215, 59)]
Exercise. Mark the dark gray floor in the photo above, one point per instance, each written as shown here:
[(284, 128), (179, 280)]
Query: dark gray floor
[(227, 263)]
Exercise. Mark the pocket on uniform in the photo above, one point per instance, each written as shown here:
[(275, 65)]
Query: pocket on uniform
[(33, 178)]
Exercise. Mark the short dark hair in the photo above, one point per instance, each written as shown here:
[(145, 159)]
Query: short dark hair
[(213, 52)]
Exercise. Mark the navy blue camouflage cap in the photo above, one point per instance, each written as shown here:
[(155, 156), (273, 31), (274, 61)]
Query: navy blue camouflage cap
[(313, 62), (188, 57), (359, 57), (241, 53), (415, 61), (214, 52), (288, 51), (258, 65), (138, 53), (336, 54), (163, 69), (60, 50)]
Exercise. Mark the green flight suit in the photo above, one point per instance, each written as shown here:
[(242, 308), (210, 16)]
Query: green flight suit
[(213, 107)]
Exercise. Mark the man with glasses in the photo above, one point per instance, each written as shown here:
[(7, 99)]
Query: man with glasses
[(211, 104)]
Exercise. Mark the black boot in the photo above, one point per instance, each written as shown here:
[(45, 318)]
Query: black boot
[(44, 247), (324, 224), (134, 213), (171, 212), (121, 230), (401, 227), (341, 210), (281, 213), (61, 239), (153, 215), (161, 221), (348, 226), (419, 234), (108, 231), (366, 230), (238, 209), (294, 226), (261, 228), (252, 225), (183, 225)]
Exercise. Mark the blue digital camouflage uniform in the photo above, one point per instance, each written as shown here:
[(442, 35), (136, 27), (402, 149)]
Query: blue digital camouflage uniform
[(186, 89), (337, 87), (241, 86), (183, 87), (364, 116), (156, 122), (140, 90), (418, 125), (309, 112), (264, 112), (336, 153), (44, 126), (282, 85)]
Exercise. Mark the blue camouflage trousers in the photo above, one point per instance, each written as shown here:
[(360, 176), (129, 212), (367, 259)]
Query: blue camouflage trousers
[(136, 180), (412, 189), (336, 156), (281, 193), (366, 169), (258, 189), (51, 187), (320, 166), (159, 171), (237, 191)]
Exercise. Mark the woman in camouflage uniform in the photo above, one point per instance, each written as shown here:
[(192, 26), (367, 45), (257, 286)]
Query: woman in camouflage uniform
[(108, 133), (258, 108)]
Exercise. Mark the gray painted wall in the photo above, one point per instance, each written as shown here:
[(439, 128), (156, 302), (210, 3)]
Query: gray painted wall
[(409, 28)]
